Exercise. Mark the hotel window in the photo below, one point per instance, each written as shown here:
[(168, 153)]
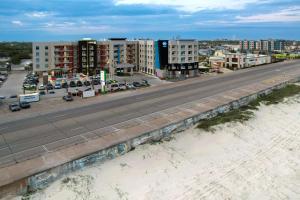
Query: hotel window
[(37, 60), (37, 48), (46, 59), (37, 66), (46, 53), (46, 47), (37, 53), (183, 46)]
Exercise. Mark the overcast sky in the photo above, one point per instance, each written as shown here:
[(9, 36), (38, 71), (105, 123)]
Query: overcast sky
[(50, 20)]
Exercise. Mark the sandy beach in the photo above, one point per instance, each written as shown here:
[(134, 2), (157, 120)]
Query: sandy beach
[(259, 159)]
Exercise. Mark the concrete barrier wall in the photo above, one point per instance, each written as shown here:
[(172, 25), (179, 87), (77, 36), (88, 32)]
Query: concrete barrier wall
[(43, 179)]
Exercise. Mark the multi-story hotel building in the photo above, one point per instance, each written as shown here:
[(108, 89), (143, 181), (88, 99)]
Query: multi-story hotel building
[(182, 58), (162, 58)]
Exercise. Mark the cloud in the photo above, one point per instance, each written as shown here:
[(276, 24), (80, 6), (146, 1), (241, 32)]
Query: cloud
[(291, 14), (17, 23), (195, 5), (37, 14), (74, 28)]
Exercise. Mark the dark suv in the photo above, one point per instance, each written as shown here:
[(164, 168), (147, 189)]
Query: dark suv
[(72, 84), (68, 98)]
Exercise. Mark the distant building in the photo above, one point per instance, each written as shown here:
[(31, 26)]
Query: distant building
[(263, 45), (218, 60)]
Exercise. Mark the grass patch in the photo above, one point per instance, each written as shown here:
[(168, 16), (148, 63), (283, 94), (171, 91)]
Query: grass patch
[(244, 113)]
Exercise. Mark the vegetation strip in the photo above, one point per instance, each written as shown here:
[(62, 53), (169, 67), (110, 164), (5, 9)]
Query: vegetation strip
[(244, 113)]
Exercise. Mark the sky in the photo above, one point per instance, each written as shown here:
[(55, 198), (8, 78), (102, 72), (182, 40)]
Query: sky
[(67, 20)]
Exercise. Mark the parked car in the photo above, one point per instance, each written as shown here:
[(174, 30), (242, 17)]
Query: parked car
[(96, 82), (136, 84), (42, 87), (130, 86), (79, 84), (145, 83), (122, 86), (24, 105), (57, 86), (114, 87), (65, 85), (14, 96), (14, 107), (87, 83), (68, 98), (49, 86), (72, 84)]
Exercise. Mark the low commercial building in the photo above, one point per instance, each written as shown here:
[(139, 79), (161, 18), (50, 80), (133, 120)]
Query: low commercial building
[(236, 61), (216, 62)]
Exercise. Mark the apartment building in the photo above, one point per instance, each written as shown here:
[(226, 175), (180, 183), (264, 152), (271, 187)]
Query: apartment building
[(57, 57), (263, 45), (146, 56)]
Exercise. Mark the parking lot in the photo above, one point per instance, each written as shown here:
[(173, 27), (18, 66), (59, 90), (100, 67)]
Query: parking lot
[(16, 80), (13, 84)]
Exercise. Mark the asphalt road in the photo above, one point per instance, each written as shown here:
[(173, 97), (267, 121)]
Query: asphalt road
[(21, 135)]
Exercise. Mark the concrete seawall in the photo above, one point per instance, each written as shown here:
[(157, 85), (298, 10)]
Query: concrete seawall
[(165, 123)]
